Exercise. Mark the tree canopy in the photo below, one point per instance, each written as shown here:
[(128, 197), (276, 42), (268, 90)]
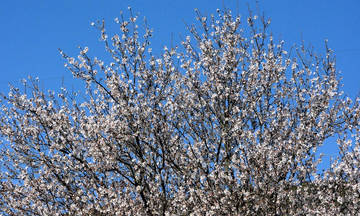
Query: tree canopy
[(227, 123)]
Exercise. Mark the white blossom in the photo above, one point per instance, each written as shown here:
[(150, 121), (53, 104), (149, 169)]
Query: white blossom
[(228, 124)]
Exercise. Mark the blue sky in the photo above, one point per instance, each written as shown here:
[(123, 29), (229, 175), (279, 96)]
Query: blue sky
[(32, 31)]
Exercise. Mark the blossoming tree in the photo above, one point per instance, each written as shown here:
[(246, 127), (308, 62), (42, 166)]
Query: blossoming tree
[(229, 123)]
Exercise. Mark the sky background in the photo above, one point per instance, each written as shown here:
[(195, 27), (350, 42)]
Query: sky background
[(32, 32)]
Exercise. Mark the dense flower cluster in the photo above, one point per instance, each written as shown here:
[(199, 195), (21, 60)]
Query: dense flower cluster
[(228, 124)]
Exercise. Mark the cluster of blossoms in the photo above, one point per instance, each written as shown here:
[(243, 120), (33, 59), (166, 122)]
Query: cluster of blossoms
[(228, 124)]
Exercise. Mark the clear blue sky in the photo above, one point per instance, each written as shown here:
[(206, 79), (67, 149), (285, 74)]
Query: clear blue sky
[(32, 31)]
